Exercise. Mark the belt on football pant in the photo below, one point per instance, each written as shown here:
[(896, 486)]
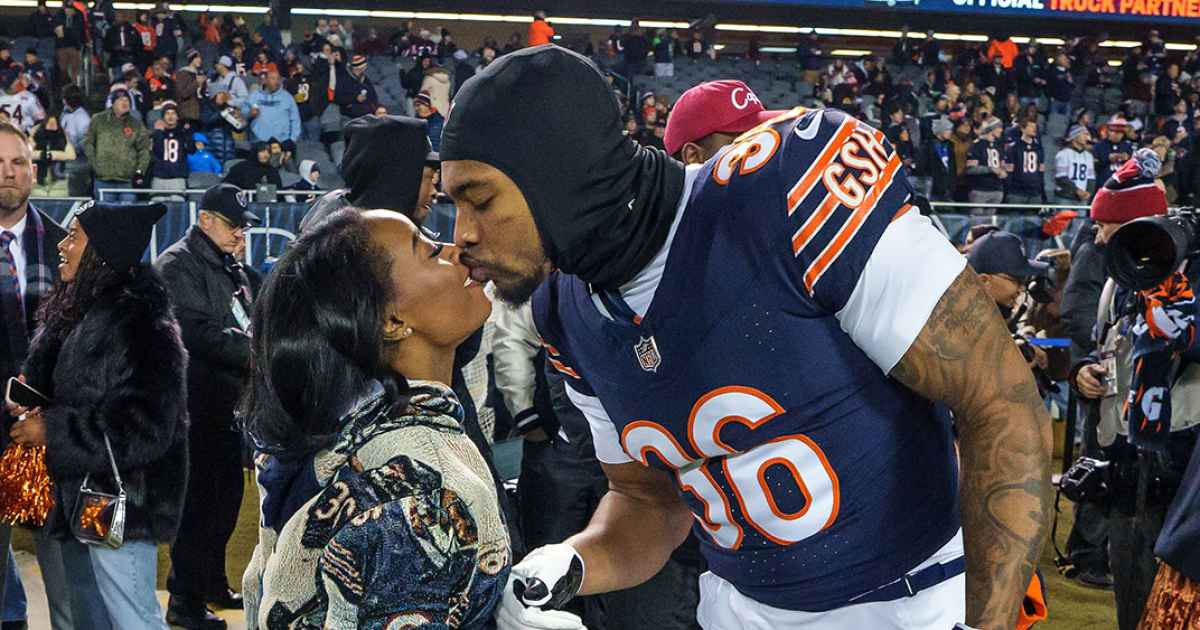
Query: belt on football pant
[(914, 582)]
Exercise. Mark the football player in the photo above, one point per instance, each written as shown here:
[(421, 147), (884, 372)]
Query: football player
[(758, 343)]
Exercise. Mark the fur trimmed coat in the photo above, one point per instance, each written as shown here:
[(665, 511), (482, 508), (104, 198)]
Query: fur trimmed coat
[(122, 372)]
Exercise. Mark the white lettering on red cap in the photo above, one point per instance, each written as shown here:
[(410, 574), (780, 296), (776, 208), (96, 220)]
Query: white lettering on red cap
[(744, 101)]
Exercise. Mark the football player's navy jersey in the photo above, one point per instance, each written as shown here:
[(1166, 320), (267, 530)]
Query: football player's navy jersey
[(757, 373)]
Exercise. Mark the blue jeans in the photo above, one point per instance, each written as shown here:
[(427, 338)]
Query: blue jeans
[(113, 197), (127, 579), (71, 592), (14, 593), (1060, 107)]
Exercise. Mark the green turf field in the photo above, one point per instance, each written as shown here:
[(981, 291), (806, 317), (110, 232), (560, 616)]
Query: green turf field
[(1072, 607)]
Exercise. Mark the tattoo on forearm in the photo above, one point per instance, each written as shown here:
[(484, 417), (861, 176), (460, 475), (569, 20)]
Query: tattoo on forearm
[(965, 358)]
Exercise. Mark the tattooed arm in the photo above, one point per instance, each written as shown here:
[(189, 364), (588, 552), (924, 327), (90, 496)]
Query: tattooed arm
[(965, 358)]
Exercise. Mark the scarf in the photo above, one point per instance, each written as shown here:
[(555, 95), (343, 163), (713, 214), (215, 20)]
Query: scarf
[(546, 117), (1164, 329)]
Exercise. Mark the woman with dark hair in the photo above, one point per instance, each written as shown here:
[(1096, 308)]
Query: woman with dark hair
[(52, 151), (109, 356), (376, 507)]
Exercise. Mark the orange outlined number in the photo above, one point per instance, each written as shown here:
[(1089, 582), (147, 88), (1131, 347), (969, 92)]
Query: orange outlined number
[(746, 472)]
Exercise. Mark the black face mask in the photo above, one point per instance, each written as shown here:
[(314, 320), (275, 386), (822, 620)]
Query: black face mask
[(547, 119)]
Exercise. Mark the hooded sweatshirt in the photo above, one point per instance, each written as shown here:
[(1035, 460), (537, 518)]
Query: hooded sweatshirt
[(384, 160)]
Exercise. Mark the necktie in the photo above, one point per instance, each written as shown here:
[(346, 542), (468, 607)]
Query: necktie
[(11, 300)]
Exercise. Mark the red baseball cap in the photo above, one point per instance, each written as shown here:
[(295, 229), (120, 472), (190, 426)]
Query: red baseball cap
[(714, 107)]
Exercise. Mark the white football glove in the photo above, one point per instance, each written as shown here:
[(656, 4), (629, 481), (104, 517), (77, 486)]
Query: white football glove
[(546, 579)]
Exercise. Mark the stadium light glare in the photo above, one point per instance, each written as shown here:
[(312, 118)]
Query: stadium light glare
[(778, 49), (1116, 63), (849, 52), (579, 21)]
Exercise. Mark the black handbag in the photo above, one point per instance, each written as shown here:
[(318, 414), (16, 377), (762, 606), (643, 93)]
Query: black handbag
[(99, 518)]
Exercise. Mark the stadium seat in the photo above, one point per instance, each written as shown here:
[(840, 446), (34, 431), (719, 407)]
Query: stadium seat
[(203, 181)]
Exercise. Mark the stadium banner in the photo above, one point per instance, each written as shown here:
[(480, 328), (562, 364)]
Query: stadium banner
[(1161, 11)]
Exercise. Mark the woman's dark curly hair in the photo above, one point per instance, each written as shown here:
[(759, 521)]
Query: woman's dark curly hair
[(318, 336), (68, 302)]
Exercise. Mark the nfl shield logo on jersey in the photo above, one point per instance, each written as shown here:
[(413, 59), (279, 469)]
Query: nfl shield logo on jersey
[(647, 354)]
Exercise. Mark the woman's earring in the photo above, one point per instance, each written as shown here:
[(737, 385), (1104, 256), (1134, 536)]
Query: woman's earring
[(407, 333)]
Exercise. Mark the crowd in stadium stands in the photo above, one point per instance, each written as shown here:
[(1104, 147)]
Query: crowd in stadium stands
[(985, 124), (118, 102)]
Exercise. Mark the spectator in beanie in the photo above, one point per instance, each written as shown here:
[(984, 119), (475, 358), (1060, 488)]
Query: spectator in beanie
[(355, 94), (108, 354), (213, 301), (423, 106), (1026, 167), (170, 146), (937, 161), (117, 147), (1113, 150), (272, 111), (1075, 168), (248, 174), (985, 172), (200, 160), (190, 83)]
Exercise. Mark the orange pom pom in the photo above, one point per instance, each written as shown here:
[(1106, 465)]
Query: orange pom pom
[(25, 488)]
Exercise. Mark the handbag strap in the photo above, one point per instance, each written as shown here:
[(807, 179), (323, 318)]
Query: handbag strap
[(112, 462)]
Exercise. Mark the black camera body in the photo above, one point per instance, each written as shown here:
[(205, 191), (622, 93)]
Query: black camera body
[(1144, 252), (1086, 481)]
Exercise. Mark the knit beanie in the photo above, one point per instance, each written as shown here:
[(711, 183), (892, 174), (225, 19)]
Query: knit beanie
[(1131, 192), (120, 233)]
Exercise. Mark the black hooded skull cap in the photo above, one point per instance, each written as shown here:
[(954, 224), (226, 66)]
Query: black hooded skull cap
[(547, 118), (384, 159)]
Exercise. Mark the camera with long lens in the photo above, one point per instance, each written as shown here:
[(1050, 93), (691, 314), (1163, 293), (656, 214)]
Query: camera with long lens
[(1144, 252)]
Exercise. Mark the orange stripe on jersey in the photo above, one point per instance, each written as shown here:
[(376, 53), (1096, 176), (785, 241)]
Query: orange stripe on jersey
[(562, 367), (903, 211), (815, 170), (814, 223), (835, 248)]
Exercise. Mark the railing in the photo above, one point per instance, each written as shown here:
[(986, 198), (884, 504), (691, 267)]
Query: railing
[(281, 219)]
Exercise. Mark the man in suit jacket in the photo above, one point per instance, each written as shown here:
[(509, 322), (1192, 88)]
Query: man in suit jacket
[(28, 271)]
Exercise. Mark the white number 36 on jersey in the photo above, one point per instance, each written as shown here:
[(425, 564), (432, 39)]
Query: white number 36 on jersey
[(744, 472)]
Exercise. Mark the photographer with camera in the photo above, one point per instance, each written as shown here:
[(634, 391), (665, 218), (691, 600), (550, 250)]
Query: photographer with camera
[(999, 259), (1141, 379)]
